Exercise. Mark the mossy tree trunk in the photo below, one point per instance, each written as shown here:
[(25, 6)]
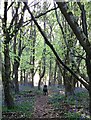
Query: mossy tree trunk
[(6, 68)]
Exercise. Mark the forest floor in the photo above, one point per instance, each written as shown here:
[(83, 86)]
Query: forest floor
[(31, 103), (55, 105), (43, 108)]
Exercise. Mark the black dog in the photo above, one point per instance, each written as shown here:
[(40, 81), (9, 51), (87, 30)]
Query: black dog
[(45, 90)]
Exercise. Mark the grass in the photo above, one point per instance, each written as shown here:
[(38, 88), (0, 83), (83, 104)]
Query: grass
[(26, 108)]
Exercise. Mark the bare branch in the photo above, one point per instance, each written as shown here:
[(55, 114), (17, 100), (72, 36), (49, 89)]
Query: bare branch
[(16, 14), (41, 14), (23, 47), (10, 5), (19, 24), (79, 56)]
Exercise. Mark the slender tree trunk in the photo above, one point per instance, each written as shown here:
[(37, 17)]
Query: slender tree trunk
[(77, 84), (59, 77), (50, 68), (21, 78), (55, 73), (41, 74), (90, 101), (39, 83), (88, 64), (50, 71), (44, 59), (15, 75), (15, 66), (68, 78), (33, 56), (24, 76), (61, 73)]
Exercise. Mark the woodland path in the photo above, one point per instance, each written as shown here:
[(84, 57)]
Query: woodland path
[(43, 109)]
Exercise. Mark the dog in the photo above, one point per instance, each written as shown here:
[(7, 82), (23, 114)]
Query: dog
[(45, 90)]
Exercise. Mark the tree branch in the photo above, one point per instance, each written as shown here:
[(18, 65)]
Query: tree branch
[(41, 14), (75, 27), (10, 5), (14, 17), (19, 24)]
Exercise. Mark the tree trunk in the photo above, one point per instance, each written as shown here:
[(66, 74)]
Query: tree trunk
[(24, 76), (68, 77), (68, 86), (21, 78), (6, 69), (59, 77), (50, 71), (77, 84), (88, 59), (41, 74), (88, 65), (6, 78), (55, 73), (27, 76), (90, 101), (32, 56), (44, 59), (39, 83), (34, 40), (16, 64)]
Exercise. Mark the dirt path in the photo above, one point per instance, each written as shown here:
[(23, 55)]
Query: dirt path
[(43, 108)]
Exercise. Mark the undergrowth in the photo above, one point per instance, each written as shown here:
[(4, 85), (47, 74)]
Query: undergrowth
[(74, 106)]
